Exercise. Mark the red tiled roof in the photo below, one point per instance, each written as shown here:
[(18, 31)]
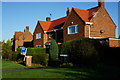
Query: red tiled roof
[(92, 11), (49, 25), (86, 14), (45, 25), (17, 34)]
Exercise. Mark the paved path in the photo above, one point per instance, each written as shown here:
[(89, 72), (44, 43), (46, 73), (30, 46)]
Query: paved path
[(22, 69)]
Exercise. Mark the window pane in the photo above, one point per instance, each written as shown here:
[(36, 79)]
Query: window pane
[(76, 29), (38, 35), (72, 29)]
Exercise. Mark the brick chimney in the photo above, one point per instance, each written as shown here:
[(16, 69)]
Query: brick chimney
[(48, 18), (68, 11), (101, 3), (27, 29)]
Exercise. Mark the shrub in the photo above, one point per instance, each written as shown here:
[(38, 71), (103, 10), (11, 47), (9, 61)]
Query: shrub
[(83, 51), (54, 51), (38, 55), (30, 51), (33, 50), (36, 50), (55, 63), (41, 59), (7, 50)]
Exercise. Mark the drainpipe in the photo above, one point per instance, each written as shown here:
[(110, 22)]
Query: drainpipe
[(55, 35), (89, 30)]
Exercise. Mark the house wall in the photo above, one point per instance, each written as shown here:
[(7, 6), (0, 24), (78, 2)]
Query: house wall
[(73, 17), (102, 21), (45, 39), (27, 36), (57, 35), (40, 41), (86, 30), (114, 43)]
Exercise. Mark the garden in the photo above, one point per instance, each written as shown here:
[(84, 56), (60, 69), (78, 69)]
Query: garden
[(86, 59)]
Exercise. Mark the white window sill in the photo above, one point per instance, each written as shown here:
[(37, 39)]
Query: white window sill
[(73, 33)]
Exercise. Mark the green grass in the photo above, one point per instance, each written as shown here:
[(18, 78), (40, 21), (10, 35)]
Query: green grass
[(14, 65), (46, 73), (100, 72)]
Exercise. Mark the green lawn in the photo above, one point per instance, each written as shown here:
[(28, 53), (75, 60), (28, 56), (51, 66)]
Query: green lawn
[(14, 65), (100, 72)]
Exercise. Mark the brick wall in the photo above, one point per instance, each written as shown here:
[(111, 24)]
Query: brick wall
[(45, 39), (38, 29), (114, 43), (102, 21), (73, 17)]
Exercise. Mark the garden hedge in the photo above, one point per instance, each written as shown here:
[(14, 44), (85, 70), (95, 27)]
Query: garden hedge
[(82, 51), (39, 55)]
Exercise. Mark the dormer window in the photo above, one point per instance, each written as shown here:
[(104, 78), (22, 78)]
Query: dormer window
[(73, 29)]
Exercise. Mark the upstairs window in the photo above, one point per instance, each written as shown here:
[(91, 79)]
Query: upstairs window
[(73, 29), (38, 35)]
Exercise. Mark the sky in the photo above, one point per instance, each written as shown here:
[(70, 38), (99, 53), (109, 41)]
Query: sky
[(17, 15)]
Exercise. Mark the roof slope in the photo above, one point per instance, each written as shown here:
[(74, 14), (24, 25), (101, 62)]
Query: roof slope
[(49, 25), (86, 15), (17, 35)]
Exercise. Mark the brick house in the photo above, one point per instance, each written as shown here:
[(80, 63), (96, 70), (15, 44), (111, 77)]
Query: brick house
[(22, 39), (93, 23), (47, 30)]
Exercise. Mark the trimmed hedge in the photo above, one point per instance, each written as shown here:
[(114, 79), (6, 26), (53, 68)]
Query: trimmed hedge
[(33, 50), (82, 51), (39, 55), (41, 59)]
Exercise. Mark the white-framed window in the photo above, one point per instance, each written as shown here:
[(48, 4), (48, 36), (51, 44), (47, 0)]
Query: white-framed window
[(38, 46), (73, 29), (38, 35)]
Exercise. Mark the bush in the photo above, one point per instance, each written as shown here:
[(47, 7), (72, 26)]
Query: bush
[(54, 51), (39, 55), (83, 51), (41, 59), (54, 63), (30, 51), (36, 50), (7, 50), (33, 50)]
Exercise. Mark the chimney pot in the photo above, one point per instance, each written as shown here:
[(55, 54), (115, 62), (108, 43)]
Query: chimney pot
[(101, 3), (68, 11), (27, 29), (48, 19)]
